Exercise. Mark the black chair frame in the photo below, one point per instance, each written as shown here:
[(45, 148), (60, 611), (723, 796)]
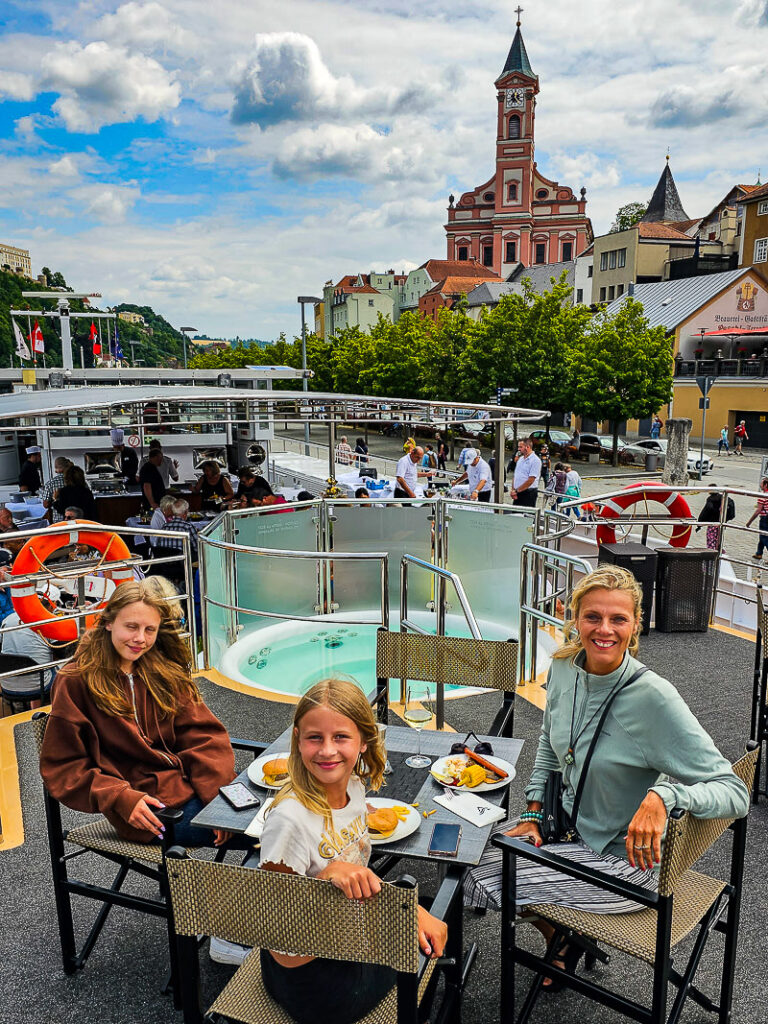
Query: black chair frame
[(723, 916), (759, 724), (64, 887), (23, 666)]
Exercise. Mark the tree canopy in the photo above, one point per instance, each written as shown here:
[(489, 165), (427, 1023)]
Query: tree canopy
[(628, 215)]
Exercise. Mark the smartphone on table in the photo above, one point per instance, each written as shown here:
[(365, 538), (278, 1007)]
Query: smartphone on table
[(444, 841), (239, 796)]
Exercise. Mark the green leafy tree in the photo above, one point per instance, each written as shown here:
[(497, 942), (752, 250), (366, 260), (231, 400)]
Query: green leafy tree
[(620, 369), (352, 353), (397, 353), (628, 215), (522, 343), (444, 346)]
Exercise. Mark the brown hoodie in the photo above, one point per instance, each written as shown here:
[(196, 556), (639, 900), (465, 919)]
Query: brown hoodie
[(92, 761)]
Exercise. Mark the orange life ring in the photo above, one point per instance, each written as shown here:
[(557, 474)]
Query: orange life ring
[(24, 595), (676, 503)]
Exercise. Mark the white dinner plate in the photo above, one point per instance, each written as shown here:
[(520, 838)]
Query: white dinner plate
[(484, 787), (404, 828), (256, 770), (256, 826)]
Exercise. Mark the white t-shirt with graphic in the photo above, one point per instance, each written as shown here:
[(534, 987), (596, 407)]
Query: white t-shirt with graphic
[(300, 840)]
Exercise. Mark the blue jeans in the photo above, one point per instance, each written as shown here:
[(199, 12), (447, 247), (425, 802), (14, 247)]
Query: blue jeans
[(762, 541), (188, 834)]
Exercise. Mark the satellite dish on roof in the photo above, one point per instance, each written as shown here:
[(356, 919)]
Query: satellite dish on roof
[(256, 453)]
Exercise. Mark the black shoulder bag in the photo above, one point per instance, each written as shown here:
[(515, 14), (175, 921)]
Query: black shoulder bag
[(557, 825)]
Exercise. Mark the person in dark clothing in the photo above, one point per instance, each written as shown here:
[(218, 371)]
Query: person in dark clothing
[(150, 480), (361, 449), (441, 451), (129, 460), (253, 489), (710, 513), (30, 479), (75, 492), (213, 484)]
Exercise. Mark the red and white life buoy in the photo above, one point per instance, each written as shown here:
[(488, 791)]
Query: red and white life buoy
[(30, 559), (676, 503)]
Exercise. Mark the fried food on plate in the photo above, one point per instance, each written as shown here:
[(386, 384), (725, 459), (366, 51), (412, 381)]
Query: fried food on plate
[(382, 822), (276, 771)]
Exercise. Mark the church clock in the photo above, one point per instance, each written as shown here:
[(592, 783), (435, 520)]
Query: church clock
[(515, 99)]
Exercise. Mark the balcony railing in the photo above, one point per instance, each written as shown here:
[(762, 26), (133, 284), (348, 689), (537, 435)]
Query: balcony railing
[(744, 367)]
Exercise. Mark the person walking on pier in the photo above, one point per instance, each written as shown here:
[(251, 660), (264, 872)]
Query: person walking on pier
[(722, 441), (762, 512), (740, 435)]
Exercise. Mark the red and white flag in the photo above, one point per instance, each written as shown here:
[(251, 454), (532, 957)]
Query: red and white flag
[(38, 344), (94, 339)]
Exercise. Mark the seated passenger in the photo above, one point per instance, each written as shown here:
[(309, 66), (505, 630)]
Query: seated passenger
[(213, 484), (336, 754), (179, 523), (253, 489), (129, 733), (75, 492), (652, 755), (162, 513), (7, 525)]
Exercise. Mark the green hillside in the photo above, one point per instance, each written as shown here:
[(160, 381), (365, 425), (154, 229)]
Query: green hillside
[(157, 343)]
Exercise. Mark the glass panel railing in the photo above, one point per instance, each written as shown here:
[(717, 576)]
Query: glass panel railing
[(396, 530), (484, 550), (216, 589)]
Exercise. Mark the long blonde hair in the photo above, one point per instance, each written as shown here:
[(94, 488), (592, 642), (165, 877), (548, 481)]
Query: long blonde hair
[(604, 577), (165, 669), (346, 698)]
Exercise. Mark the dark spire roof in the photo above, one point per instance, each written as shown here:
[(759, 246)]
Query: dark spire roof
[(518, 58), (665, 202)]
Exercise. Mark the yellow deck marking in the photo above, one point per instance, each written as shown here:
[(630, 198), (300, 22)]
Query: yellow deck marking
[(741, 633), (10, 795)]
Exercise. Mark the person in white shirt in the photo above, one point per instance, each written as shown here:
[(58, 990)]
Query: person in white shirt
[(162, 513), (168, 468), (525, 488), (478, 473), (407, 474), (344, 452)]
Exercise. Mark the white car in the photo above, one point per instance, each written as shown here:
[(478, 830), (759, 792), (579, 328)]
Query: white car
[(658, 446)]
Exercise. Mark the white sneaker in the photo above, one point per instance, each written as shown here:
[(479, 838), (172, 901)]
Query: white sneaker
[(224, 952)]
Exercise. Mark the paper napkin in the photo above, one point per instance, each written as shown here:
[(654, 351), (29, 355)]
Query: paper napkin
[(257, 822), (471, 807)]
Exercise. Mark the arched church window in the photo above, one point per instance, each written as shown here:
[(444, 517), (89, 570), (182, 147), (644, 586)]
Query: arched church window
[(512, 192), (514, 126)]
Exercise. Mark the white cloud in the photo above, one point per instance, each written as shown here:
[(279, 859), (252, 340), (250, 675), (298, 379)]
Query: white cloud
[(108, 204), (15, 85), (143, 27), (66, 167), (286, 79), (338, 150), (100, 84)]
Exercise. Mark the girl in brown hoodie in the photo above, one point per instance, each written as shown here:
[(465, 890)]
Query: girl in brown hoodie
[(128, 732)]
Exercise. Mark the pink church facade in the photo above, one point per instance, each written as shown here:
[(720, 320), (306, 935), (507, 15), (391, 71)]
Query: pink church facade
[(518, 215)]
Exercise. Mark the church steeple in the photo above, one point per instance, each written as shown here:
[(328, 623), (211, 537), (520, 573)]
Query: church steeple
[(517, 60), (665, 202)]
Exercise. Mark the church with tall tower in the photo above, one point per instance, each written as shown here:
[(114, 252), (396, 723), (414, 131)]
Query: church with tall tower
[(518, 216)]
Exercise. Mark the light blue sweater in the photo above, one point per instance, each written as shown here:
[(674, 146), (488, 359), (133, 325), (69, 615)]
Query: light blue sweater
[(650, 740)]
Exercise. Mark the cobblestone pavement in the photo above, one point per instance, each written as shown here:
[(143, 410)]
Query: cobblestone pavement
[(741, 472)]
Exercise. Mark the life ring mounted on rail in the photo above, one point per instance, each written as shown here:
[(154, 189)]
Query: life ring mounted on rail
[(31, 559), (674, 502)]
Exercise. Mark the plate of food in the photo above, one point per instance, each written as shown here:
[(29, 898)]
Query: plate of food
[(269, 771), (460, 771), (389, 821)]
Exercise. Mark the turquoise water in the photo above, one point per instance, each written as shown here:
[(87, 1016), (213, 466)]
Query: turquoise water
[(288, 661)]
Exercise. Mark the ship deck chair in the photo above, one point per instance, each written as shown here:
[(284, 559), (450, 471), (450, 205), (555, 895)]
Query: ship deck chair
[(265, 909), (451, 660), (100, 838), (760, 694), (686, 900)]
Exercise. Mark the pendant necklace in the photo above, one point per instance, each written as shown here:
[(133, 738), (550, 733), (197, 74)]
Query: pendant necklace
[(569, 758)]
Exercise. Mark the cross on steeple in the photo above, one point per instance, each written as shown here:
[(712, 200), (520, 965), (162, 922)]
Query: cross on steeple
[(518, 11)]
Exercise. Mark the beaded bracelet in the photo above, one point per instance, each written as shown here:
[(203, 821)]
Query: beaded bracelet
[(532, 816)]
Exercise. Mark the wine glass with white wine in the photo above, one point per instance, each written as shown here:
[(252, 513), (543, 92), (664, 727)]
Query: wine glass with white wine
[(417, 714)]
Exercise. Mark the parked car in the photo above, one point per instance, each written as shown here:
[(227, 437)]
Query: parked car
[(556, 439), (602, 444), (659, 447)]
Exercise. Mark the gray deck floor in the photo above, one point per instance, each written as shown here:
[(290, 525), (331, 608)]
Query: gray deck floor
[(121, 983)]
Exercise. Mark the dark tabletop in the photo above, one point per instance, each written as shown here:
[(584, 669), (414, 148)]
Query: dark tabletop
[(409, 785)]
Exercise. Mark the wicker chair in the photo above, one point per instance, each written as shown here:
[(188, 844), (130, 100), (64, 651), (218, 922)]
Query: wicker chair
[(99, 837), (310, 917), (760, 692), (685, 900), (486, 664)]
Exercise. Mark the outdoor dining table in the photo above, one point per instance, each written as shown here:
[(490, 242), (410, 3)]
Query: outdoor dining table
[(409, 786)]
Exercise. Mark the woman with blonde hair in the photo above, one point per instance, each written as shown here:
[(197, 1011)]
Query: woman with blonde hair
[(128, 732), (650, 755), (317, 826)]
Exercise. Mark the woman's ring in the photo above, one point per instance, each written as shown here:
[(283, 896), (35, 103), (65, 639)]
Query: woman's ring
[(641, 847)]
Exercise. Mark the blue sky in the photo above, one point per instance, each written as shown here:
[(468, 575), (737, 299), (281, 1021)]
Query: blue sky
[(215, 161)]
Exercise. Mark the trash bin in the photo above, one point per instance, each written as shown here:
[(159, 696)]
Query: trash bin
[(640, 560), (651, 462), (685, 581)]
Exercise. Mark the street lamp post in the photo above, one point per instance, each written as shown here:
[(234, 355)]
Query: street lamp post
[(185, 331), (303, 300)]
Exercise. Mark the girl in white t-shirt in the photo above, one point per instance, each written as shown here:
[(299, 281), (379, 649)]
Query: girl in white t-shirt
[(317, 827)]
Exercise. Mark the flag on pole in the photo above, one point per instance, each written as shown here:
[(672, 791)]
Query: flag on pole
[(38, 344), (22, 349), (118, 347), (93, 335)]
